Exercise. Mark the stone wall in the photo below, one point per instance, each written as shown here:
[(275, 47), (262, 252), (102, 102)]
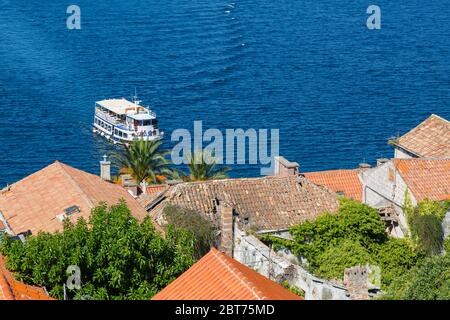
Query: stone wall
[(402, 154), (383, 186), (355, 280), (252, 252)]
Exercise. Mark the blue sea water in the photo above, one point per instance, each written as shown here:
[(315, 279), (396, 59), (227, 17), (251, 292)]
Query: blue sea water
[(336, 90)]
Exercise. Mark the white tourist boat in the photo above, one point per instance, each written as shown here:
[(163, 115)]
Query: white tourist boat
[(122, 121)]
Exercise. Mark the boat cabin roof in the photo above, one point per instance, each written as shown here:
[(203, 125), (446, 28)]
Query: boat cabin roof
[(120, 106), (141, 116)]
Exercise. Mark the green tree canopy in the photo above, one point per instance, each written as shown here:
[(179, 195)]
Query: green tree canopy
[(428, 280), (119, 258)]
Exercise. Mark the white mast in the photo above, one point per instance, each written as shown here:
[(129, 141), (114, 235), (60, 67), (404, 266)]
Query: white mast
[(135, 97)]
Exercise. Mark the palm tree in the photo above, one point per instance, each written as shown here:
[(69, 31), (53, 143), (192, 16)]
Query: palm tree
[(144, 160), (203, 167)]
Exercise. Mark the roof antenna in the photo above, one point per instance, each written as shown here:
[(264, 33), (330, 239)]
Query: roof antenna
[(135, 97)]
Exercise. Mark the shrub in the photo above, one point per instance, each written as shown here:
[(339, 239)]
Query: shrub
[(293, 289), (428, 280), (354, 236), (192, 221), (394, 257), (425, 224), (336, 259), (447, 244)]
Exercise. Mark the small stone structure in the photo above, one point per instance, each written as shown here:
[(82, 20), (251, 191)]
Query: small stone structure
[(355, 280)]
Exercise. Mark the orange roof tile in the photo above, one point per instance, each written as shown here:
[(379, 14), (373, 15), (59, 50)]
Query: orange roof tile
[(153, 191), (217, 276), (425, 178), (430, 139), (346, 181), (11, 289), (34, 202)]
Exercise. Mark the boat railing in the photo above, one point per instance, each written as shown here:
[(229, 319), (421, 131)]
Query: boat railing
[(106, 116)]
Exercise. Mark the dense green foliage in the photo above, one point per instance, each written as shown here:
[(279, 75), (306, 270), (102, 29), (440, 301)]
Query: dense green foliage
[(119, 257), (192, 221), (293, 289), (428, 280), (144, 160), (394, 257), (425, 223), (447, 244), (203, 166), (354, 236), (334, 260)]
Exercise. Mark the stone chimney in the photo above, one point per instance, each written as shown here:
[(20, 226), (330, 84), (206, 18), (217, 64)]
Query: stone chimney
[(356, 282), (105, 169), (284, 168), (227, 229), (381, 161), (143, 186)]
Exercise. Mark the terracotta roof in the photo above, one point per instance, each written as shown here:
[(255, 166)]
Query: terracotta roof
[(346, 181), (430, 139), (267, 203), (11, 289), (425, 178), (34, 202), (217, 276), (152, 192)]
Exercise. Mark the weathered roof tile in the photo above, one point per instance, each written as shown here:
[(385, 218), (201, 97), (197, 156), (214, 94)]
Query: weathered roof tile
[(34, 202), (430, 139), (269, 203)]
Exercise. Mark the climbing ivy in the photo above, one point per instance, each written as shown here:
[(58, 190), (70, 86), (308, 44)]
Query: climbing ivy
[(428, 280), (425, 223), (355, 235)]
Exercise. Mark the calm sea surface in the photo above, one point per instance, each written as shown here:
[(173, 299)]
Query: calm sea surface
[(336, 90)]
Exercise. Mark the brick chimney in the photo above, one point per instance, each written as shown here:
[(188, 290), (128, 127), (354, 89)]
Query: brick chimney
[(356, 282), (284, 168), (105, 169), (227, 229)]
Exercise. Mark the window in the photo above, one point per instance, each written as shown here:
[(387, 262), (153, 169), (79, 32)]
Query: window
[(71, 210)]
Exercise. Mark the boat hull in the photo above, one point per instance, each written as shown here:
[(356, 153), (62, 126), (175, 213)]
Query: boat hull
[(114, 138)]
